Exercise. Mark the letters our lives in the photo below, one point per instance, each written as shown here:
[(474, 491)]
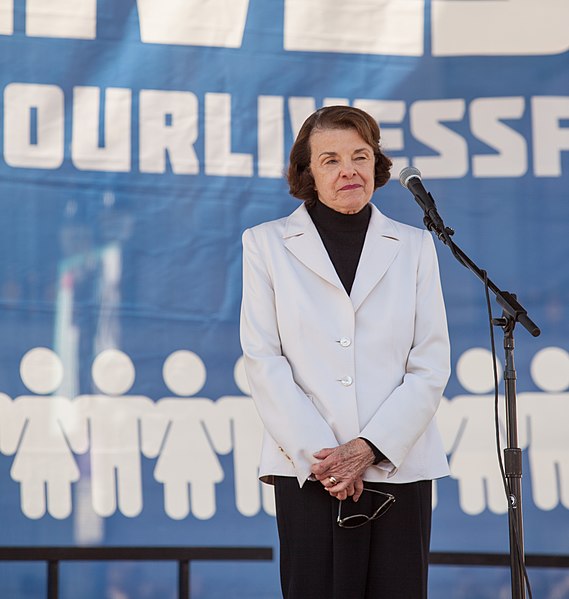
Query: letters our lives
[(172, 136)]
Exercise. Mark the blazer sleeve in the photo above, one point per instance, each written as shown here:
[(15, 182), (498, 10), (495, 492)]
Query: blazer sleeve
[(405, 415), (287, 413)]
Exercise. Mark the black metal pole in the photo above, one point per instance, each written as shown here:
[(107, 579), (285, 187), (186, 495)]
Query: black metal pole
[(52, 579), (183, 579), (513, 465)]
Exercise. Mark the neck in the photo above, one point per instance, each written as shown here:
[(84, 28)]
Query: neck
[(331, 219)]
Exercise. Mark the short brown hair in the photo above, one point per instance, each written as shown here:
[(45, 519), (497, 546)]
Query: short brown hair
[(300, 180)]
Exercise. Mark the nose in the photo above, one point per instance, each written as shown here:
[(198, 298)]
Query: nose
[(348, 170)]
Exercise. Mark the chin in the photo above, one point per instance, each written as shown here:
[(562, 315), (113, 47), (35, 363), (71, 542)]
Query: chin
[(354, 207)]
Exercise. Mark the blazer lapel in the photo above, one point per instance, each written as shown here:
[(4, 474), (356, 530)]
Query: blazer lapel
[(380, 248), (302, 239)]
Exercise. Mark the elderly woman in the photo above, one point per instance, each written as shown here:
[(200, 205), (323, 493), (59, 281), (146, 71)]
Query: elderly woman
[(346, 349)]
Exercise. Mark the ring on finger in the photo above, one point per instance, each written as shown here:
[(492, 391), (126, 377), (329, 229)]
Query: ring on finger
[(333, 480)]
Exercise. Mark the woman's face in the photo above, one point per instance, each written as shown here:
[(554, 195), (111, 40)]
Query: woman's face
[(343, 166)]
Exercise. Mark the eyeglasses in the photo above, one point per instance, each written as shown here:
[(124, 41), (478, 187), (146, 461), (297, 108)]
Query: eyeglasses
[(356, 520)]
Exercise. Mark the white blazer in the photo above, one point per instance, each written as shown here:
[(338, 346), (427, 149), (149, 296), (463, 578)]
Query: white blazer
[(325, 367)]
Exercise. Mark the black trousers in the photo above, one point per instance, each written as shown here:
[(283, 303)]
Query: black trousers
[(384, 559)]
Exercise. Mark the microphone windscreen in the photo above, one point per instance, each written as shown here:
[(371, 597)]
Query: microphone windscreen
[(407, 173)]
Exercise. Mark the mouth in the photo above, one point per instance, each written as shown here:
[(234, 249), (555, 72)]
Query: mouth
[(349, 187)]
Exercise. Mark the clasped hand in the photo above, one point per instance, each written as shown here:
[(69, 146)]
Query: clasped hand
[(346, 464)]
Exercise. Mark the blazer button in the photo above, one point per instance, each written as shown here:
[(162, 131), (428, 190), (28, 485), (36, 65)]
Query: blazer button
[(345, 342), (346, 381)]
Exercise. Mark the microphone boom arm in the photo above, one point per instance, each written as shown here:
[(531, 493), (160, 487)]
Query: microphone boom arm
[(433, 222)]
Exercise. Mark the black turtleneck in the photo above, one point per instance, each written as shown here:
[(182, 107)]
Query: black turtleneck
[(343, 236)]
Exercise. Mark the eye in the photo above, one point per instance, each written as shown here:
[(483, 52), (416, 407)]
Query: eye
[(331, 161)]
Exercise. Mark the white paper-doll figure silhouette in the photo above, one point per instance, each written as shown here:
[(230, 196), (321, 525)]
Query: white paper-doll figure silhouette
[(109, 424), (544, 417), (6, 427), (188, 465), (44, 464), (246, 439), (468, 430)]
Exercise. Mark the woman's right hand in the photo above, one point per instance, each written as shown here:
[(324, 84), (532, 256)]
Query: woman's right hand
[(341, 469), (353, 490)]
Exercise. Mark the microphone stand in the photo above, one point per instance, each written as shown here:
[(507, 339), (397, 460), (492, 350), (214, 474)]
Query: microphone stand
[(512, 312)]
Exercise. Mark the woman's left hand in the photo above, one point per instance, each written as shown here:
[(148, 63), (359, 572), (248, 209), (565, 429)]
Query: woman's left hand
[(344, 464)]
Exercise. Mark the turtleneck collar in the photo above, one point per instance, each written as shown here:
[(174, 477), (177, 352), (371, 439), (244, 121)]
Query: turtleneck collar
[(331, 220)]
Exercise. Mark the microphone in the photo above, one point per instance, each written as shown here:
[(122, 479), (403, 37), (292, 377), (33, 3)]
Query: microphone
[(410, 178)]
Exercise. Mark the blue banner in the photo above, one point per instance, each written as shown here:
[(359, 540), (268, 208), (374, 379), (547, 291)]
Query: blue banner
[(138, 140)]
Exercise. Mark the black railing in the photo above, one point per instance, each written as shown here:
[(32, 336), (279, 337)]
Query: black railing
[(532, 560), (183, 555), (186, 555)]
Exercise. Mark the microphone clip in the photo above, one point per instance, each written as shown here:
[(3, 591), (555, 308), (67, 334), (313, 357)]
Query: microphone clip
[(443, 233)]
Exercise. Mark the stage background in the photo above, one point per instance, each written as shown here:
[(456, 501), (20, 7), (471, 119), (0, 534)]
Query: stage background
[(139, 139)]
